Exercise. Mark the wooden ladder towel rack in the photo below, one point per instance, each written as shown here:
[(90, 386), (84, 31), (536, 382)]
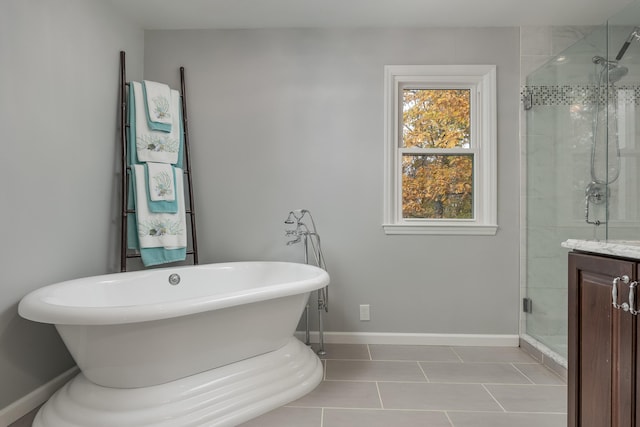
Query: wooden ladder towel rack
[(126, 254)]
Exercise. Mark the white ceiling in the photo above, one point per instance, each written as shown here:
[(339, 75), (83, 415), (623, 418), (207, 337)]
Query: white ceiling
[(200, 14)]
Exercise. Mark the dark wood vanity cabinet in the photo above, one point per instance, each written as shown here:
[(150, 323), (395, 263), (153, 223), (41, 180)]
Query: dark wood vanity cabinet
[(603, 343)]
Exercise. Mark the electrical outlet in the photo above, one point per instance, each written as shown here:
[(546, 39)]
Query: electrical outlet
[(364, 312)]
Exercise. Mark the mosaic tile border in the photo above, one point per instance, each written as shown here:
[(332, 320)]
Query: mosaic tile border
[(541, 95)]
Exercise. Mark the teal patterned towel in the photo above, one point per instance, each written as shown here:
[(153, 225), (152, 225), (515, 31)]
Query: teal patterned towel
[(157, 104), (160, 238), (160, 181), (148, 145), (152, 255)]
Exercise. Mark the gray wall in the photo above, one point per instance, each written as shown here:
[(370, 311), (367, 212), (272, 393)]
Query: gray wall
[(285, 119), (58, 122), (279, 119)]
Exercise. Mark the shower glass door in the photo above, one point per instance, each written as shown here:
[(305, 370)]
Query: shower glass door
[(582, 167), (561, 100), (623, 222)]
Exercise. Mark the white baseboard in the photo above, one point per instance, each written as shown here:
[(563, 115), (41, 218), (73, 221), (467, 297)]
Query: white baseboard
[(37, 397), (462, 340)]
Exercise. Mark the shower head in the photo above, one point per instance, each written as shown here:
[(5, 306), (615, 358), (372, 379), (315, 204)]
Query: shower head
[(635, 34), (616, 73)]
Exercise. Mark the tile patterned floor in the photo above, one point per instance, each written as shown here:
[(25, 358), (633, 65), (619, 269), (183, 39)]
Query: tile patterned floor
[(416, 386), (413, 386)]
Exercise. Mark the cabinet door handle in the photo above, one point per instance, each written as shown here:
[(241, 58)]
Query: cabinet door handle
[(632, 298), (614, 292)]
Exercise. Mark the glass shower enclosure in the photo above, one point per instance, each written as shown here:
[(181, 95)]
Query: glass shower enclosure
[(581, 164)]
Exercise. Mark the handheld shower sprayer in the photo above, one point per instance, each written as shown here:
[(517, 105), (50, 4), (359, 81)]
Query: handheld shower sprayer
[(296, 215), (635, 34), (610, 72)]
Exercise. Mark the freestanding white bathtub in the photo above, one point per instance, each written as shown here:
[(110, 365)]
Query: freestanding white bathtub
[(215, 349)]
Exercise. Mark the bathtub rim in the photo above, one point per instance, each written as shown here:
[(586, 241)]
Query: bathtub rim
[(34, 308)]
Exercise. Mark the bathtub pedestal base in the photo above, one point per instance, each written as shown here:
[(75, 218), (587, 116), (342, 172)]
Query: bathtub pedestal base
[(225, 396)]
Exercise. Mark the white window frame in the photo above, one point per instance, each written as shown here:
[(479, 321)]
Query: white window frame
[(481, 80)]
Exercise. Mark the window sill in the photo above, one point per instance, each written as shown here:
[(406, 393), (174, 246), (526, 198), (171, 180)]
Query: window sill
[(443, 229)]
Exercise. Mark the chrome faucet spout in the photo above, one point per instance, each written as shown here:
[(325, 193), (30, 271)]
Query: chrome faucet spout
[(294, 241)]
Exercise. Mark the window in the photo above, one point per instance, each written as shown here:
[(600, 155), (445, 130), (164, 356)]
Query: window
[(440, 150)]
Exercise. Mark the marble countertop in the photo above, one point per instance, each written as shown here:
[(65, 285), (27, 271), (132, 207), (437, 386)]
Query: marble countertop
[(621, 248)]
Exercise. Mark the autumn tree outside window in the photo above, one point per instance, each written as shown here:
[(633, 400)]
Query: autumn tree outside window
[(440, 150)]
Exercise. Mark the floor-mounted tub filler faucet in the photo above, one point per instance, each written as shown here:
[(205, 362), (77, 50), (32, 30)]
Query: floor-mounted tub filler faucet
[(311, 240)]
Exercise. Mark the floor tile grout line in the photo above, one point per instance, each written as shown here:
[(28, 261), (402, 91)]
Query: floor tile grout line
[(528, 385), (453, 362), (450, 362), (444, 362), (423, 410), (446, 414), (379, 395), (525, 375), (369, 351), (406, 361), (423, 372), (422, 381), (493, 397), (457, 355), (521, 412), (445, 382), (354, 360)]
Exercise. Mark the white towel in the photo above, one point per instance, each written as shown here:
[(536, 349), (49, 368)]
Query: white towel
[(160, 180), (159, 229), (151, 145), (158, 101)]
